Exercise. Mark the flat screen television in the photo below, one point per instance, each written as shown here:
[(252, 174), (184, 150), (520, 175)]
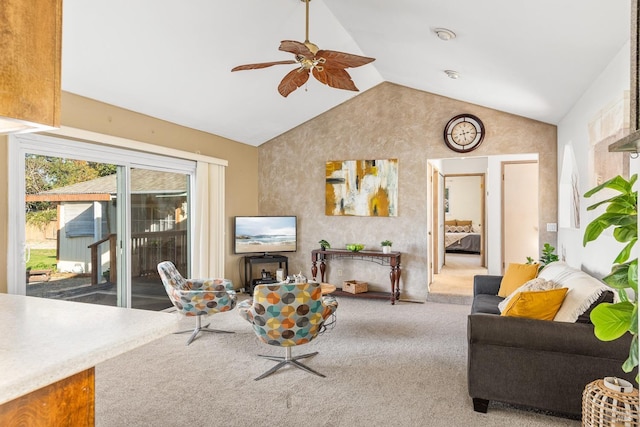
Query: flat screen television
[(264, 234)]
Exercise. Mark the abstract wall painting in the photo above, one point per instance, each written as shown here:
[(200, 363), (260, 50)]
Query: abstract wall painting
[(362, 188)]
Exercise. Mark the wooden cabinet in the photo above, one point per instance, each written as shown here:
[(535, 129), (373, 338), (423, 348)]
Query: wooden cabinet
[(68, 402), (30, 64)]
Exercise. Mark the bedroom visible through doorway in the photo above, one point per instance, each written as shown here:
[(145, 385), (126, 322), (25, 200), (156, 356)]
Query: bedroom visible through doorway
[(447, 269), (463, 237)]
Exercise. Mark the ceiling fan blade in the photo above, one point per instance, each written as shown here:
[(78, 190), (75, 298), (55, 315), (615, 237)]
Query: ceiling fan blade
[(343, 60), (261, 65), (293, 80), (334, 77), (296, 48)]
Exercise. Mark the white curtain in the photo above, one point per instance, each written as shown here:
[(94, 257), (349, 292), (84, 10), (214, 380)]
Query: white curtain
[(208, 235)]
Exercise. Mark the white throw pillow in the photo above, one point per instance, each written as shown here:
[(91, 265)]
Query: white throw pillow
[(536, 284), (584, 289)]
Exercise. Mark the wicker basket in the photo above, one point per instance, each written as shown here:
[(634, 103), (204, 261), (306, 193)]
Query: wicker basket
[(354, 286), (602, 407)]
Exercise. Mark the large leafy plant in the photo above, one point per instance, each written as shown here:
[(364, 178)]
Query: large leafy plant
[(611, 321)]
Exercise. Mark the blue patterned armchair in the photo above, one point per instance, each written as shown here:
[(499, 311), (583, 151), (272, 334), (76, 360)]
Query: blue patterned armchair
[(286, 315), (197, 297)]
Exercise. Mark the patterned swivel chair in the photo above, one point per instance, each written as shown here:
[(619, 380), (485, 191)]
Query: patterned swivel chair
[(197, 297), (286, 315)]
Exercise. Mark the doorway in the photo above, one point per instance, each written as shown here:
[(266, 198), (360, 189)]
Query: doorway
[(463, 241), (456, 284), (519, 212)]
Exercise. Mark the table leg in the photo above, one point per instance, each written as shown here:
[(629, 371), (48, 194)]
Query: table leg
[(322, 269), (398, 273), (394, 277), (314, 269)]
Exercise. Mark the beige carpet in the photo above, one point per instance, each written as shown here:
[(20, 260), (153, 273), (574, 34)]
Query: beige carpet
[(454, 283), (402, 365)]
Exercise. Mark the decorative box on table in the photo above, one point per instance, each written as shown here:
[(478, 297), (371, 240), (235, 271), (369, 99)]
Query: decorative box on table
[(354, 286)]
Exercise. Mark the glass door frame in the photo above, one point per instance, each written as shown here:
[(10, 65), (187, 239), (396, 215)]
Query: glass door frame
[(21, 144)]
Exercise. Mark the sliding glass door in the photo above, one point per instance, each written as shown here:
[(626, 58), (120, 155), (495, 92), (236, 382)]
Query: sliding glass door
[(98, 220), (70, 228), (159, 232)]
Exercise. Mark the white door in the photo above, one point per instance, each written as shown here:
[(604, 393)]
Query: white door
[(519, 212)]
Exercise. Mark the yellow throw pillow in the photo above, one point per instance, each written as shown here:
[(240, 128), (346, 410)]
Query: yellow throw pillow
[(541, 305), (516, 276)]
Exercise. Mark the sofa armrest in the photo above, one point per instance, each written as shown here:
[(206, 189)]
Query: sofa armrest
[(486, 284), (543, 335)]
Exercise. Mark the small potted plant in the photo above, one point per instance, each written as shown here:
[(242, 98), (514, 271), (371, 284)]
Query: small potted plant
[(324, 245), (386, 246), (548, 256)]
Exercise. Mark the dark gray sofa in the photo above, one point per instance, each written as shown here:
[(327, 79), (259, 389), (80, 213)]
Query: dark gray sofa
[(535, 363)]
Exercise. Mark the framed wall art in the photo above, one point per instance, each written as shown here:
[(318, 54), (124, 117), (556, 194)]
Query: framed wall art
[(362, 188)]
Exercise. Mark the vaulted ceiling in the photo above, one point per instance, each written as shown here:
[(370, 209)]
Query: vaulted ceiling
[(172, 59)]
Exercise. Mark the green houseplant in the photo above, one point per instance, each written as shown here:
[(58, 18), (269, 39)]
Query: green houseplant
[(611, 321), (324, 245), (548, 256), (386, 246)]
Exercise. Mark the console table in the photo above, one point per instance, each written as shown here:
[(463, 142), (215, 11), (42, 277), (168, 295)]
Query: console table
[(391, 259)]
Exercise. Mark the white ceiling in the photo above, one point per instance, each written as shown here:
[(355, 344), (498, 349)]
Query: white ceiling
[(171, 59)]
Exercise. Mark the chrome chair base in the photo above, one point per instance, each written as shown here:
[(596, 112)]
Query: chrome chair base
[(289, 360), (199, 328)]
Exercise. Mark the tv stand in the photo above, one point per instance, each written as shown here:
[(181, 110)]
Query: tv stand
[(249, 262)]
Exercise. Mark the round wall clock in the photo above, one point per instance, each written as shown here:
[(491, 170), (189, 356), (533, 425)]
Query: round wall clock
[(464, 133)]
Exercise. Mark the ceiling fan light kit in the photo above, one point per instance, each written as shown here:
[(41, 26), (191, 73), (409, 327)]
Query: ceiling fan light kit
[(327, 66)]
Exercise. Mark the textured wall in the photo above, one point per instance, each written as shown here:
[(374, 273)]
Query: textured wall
[(387, 121)]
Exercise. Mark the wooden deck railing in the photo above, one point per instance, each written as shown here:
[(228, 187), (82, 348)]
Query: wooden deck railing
[(147, 250)]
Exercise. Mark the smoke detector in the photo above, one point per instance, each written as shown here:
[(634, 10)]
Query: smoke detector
[(444, 34), (452, 74)]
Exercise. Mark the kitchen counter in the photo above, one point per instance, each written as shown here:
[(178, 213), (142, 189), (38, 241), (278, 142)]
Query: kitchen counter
[(44, 341)]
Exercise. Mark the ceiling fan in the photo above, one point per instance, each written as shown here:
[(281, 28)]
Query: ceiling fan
[(327, 66)]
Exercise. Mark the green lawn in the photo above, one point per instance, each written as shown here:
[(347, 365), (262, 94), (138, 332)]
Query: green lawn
[(42, 259)]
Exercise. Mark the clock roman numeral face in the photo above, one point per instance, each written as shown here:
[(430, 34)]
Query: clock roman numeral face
[(464, 133)]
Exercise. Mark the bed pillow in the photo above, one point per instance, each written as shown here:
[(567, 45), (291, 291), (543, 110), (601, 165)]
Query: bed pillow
[(516, 276), (542, 305), (537, 284)]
